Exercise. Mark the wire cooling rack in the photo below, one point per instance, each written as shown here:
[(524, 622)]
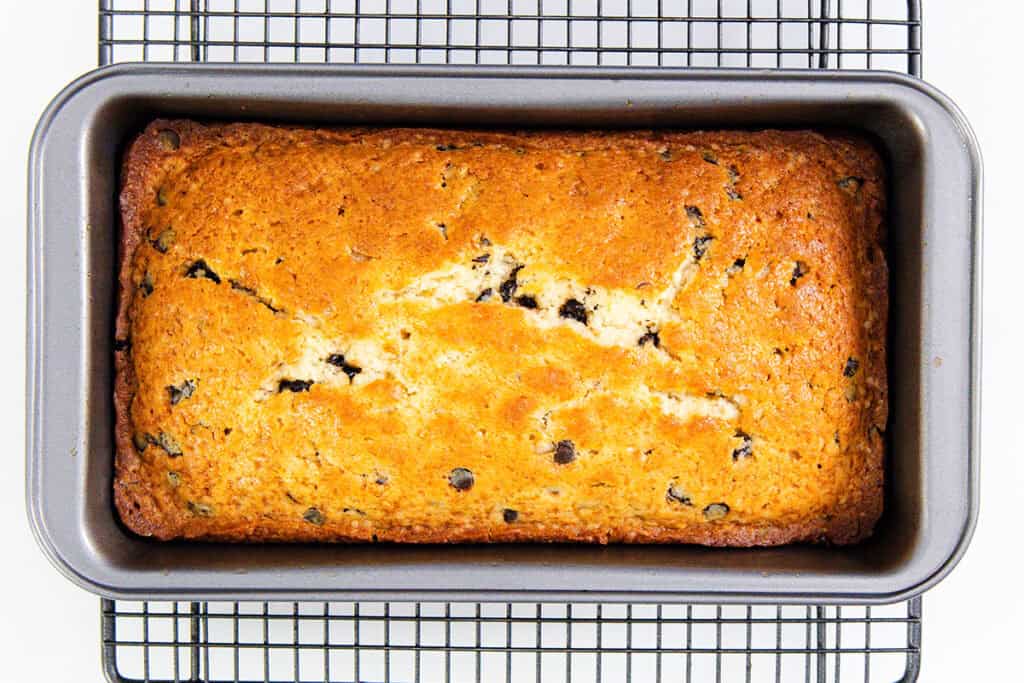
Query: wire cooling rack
[(845, 34), (556, 643), (511, 642)]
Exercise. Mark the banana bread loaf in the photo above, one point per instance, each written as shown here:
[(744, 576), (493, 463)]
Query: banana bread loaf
[(436, 335)]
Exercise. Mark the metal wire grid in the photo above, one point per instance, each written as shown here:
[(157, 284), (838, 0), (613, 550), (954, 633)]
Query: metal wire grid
[(845, 34), (513, 642), (556, 643)]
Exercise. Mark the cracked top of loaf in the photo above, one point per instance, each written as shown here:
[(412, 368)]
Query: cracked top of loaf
[(438, 335)]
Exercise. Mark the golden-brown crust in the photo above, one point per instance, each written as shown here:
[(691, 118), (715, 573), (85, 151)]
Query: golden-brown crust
[(376, 231)]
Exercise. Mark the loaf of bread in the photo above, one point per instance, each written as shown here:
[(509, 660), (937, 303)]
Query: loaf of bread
[(420, 335)]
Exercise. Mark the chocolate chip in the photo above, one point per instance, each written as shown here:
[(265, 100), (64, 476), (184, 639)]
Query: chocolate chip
[(746, 449), (200, 509), (573, 310), (700, 246), (736, 266), (338, 360), (355, 511), (851, 367), (485, 295), (665, 154), (169, 444), (461, 479), (709, 157), (294, 385), (509, 515), (526, 301), (168, 139), (161, 197), (482, 258), (164, 240), (314, 517), (141, 441), (715, 511), (181, 392), (200, 269), (446, 148), (678, 495), (696, 216), (799, 270), (565, 452), (173, 478), (146, 286), (734, 176), (850, 184), (381, 479), (509, 286), (122, 344), (650, 337)]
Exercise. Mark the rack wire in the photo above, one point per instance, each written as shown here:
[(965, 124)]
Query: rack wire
[(845, 34), (511, 642), (507, 642)]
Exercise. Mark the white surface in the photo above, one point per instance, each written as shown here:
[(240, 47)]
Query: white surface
[(49, 629)]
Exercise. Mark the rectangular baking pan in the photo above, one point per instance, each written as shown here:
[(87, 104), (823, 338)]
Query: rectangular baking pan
[(934, 231)]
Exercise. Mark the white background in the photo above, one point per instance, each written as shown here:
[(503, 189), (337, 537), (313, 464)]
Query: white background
[(49, 629)]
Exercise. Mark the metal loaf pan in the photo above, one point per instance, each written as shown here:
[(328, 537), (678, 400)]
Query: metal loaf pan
[(934, 224)]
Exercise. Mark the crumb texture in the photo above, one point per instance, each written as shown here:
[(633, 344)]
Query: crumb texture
[(429, 335)]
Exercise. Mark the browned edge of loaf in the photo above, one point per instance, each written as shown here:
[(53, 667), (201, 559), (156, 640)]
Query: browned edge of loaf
[(141, 513)]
